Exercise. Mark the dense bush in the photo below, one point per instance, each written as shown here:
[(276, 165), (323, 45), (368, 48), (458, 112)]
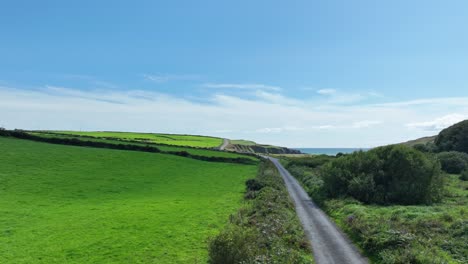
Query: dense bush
[(464, 175), (265, 231), (311, 162), (392, 174), (454, 138), (453, 161), (428, 147)]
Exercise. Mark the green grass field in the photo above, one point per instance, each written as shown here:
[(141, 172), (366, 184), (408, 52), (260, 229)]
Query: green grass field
[(242, 142), (66, 204), (169, 139), (193, 151)]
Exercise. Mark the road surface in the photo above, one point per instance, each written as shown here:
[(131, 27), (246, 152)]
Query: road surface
[(224, 145), (329, 244)]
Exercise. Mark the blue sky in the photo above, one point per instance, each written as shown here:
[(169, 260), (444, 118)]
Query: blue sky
[(295, 73)]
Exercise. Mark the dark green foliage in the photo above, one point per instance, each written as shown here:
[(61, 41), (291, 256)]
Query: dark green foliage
[(266, 231), (311, 162), (252, 188), (454, 138), (254, 185), (393, 174), (464, 175), (429, 147), (453, 162), (233, 245), (339, 154)]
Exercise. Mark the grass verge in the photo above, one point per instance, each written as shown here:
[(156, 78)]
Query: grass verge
[(266, 230)]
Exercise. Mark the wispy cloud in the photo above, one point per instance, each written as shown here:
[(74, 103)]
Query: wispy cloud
[(334, 96), (162, 78), (326, 91), (267, 130), (91, 81), (276, 98), (366, 123), (438, 123), (269, 117), (242, 86), (456, 101)]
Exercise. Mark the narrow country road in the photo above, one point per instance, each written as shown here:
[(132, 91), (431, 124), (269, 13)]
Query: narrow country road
[(224, 145), (329, 244)]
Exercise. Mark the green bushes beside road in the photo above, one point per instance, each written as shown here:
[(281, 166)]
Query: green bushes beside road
[(387, 175), (266, 229)]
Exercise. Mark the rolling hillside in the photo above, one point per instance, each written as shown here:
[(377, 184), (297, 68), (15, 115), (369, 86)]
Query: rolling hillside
[(246, 146), (68, 204), (423, 140), (166, 139)]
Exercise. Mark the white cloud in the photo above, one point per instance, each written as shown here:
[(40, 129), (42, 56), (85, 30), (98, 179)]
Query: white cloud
[(162, 78), (325, 127), (242, 86), (438, 123), (267, 117), (326, 91), (366, 123), (454, 101), (276, 98), (332, 96)]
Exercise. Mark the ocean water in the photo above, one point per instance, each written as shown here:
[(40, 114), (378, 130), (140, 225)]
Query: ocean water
[(329, 151)]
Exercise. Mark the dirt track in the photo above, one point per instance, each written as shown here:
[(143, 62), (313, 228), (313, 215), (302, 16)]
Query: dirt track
[(224, 145)]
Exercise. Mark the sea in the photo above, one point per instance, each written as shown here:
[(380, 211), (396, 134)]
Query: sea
[(329, 151)]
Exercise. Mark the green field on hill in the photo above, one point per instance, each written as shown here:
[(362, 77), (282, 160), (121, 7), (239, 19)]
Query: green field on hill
[(67, 204), (193, 151), (169, 139)]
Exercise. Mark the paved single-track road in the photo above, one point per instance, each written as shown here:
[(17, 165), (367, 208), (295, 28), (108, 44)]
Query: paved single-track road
[(329, 244), (224, 145)]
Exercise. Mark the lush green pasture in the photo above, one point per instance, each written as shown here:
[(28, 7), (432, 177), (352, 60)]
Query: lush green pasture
[(169, 139), (66, 204), (193, 151), (242, 142)]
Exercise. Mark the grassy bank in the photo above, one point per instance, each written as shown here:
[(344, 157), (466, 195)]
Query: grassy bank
[(436, 233), (67, 204), (195, 153), (266, 229), (167, 139)]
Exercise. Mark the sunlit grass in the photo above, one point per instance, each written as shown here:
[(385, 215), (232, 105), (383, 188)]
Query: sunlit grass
[(66, 204)]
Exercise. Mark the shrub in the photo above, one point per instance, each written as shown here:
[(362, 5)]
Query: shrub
[(464, 175), (254, 185), (454, 138), (232, 246), (392, 174), (311, 162), (453, 162)]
